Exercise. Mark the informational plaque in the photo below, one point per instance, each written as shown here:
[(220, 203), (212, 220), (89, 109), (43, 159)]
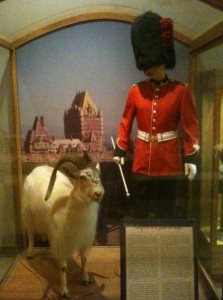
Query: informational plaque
[(158, 260)]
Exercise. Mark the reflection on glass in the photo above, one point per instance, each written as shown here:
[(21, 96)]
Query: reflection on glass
[(209, 99), (7, 191)]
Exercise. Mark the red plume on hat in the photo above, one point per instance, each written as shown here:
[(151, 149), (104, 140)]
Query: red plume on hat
[(166, 27), (152, 41)]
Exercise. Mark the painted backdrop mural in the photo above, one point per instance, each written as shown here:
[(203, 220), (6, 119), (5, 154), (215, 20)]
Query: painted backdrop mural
[(73, 84)]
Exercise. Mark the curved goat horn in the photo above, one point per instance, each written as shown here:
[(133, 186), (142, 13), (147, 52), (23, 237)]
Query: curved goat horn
[(79, 161)]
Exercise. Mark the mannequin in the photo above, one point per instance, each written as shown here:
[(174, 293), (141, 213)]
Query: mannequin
[(159, 105)]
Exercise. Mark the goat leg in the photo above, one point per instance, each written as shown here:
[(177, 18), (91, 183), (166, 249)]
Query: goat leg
[(30, 236), (63, 281), (86, 280)]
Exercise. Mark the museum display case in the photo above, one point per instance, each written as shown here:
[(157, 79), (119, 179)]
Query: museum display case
[(201, 200), (209, 98)]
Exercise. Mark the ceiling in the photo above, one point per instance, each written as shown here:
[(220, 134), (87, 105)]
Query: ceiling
[(192, 18)]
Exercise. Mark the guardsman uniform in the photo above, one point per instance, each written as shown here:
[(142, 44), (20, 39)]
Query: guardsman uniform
[(158, 109)]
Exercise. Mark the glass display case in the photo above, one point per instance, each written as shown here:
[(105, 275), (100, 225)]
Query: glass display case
[(204, 196), (209, 97)]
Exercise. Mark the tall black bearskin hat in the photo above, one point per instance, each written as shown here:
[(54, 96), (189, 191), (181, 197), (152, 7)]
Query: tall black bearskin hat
[(152, 41)]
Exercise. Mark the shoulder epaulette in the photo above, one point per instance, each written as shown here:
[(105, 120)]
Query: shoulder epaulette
[(138, 83), (180, 83)]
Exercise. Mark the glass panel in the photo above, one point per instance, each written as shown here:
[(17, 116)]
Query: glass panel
[(220, 202), (210, 82), (7, 193), (209, 96), (8, 236), (206, 162)]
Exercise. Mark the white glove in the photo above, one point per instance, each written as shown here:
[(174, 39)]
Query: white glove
[(119, 160), (190, 170)]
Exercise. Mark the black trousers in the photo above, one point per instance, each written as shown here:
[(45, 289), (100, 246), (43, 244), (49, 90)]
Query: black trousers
[(154, 198)]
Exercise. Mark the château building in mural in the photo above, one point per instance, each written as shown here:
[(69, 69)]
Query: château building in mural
[(38, 139), (84, 121), (83, 130)]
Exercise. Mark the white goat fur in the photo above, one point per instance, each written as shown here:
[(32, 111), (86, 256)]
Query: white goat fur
[(68, 219)]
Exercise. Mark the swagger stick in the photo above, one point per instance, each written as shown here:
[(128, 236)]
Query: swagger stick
[(121, 172)]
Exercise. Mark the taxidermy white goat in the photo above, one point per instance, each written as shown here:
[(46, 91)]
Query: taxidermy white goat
[(64, 209)]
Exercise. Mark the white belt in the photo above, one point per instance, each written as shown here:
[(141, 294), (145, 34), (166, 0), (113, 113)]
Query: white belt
[(157, 137)]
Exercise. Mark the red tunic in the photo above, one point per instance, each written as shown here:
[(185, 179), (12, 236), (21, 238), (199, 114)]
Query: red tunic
[(159, 109)]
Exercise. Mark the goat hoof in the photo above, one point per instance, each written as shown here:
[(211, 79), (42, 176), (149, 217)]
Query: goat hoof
[(87, 282), (65, 295), (84, 282)]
